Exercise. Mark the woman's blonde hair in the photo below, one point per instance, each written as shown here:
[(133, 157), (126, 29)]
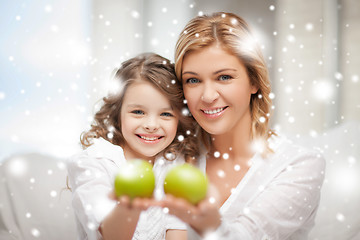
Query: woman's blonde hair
[(160, 73), (233, 34)]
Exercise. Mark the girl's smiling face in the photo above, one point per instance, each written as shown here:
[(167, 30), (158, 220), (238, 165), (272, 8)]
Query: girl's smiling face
[(217, 89), (148, 122)]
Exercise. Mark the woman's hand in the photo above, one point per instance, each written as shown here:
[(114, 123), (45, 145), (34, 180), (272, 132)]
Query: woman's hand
[(202, 217)]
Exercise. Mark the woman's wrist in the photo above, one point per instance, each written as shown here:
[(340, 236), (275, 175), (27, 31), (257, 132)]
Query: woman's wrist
[(219, 232), (211, 225)]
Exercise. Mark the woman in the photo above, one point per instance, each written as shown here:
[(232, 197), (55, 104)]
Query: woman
[(267, 188)]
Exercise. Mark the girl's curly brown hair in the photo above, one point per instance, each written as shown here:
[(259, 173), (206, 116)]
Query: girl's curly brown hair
[(160, 72)]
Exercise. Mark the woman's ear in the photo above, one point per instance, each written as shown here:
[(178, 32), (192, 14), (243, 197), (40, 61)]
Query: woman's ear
[(254, 89)]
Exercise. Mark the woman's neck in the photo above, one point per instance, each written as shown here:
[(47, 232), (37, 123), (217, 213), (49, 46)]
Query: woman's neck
[(236, 144)]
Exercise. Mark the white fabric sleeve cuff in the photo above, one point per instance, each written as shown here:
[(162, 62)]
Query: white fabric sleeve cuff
[(222, 232)]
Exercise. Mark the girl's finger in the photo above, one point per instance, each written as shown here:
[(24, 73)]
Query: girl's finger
[(141, 203), (112, 196)]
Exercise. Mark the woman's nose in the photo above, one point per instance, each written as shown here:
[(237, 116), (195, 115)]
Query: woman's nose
[(210, 93)]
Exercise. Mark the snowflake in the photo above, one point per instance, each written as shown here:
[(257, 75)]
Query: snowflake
[(35, 232)]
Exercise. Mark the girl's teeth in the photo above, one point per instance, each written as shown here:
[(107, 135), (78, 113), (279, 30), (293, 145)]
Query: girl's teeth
[(148, 138), (213, 111)]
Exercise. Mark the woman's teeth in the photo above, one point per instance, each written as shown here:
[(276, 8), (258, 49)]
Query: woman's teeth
[(213, 111)]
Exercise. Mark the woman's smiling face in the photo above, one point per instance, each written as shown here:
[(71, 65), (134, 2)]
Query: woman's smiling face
[(217, 89)]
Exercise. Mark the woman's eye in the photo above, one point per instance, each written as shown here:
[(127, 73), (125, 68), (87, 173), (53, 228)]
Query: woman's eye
[(225, 77), (166, 114), (192, 80), (137, 112)]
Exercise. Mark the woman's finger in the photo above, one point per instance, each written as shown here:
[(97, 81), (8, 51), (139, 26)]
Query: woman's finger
[(180, 208), (124, 201)]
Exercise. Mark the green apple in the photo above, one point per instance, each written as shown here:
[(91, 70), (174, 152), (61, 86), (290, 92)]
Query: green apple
[(186, 181), (135, 179)]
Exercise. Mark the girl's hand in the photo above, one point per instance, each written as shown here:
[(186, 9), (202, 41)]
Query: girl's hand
[(135, 205), (121, 222)]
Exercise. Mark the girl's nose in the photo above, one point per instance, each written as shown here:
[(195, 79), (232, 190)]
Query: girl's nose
[(151, 124), (210, 93)]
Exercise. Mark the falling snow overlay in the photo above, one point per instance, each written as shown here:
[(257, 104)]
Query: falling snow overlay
[(58, 59)]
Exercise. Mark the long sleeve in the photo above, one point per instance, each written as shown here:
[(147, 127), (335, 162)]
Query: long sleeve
[(91, 185), (91, 175), (277, 199)]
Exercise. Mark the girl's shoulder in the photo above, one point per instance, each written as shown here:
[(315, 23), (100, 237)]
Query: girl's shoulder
[(105, 149), (101, 150)]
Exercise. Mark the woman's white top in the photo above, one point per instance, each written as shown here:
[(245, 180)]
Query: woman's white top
[(277, 198), (91, 178)]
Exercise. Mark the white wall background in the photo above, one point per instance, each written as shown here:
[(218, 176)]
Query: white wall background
[(317, 58), (44, 75), (57, 57)]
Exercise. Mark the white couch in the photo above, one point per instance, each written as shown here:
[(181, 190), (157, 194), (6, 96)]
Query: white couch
[(338, 217), (34, 202)]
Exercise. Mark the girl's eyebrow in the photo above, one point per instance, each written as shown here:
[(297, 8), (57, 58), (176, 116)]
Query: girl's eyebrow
[(167, 109), (134, 106), (141, 106)]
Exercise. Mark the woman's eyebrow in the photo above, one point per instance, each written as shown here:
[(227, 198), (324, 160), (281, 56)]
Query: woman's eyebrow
[(224, 70), (214, 73), (189, 72)]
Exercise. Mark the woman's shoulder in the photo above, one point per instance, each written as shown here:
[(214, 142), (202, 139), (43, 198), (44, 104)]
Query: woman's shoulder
[(282, 145), (286, 151)]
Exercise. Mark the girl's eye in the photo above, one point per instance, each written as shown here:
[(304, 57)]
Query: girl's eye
[(192, 80), (225, 77), (166, 114), (137, 112)]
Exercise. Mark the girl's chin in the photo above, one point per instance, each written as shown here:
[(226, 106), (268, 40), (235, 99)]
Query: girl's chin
[(148, 155)]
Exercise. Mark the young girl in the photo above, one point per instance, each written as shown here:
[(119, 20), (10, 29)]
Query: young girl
[(268, 188), (142, 120)]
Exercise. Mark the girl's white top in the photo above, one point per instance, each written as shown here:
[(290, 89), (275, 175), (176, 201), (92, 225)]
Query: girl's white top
[(91, 178), (277, 198)]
